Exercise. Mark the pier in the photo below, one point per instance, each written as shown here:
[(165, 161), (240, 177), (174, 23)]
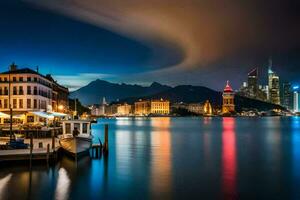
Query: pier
[(42, 149)]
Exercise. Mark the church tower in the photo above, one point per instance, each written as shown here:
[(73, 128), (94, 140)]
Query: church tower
[(228, 99)]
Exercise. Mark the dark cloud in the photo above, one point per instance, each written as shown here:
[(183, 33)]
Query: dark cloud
[(222, 39)]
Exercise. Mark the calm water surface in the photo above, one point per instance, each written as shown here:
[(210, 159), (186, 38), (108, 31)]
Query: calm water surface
[(173, 158)]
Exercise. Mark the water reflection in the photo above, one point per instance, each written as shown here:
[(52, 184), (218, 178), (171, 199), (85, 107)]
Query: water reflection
[(63, 185), (161, 166), (229, 167), (296, 155), (3, 185)]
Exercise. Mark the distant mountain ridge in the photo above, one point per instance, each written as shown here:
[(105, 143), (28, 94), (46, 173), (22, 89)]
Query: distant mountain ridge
[(96, 90)]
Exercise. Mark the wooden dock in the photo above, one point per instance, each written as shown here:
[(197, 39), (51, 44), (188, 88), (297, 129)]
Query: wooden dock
[(43, 149)]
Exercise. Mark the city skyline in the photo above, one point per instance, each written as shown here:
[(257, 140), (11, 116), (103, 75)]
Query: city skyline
[(202, 51)]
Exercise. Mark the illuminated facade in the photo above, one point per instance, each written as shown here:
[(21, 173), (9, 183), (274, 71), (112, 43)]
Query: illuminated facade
[(156, 107), (228, 99), (296, 99), (124, 109), (207, 108), (161, 107), (287, 96), (30, 91), (196, 108), (274, 88), (142, 107)]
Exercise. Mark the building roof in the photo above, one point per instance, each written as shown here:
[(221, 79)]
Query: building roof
[(27, 70), (253, 72), (228, 88), (22, 71)]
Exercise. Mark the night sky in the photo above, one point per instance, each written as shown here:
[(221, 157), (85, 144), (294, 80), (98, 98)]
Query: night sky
[(204, 42)]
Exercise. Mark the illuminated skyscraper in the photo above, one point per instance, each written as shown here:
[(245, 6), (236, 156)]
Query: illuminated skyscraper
[(228, 99), (296, 99), (287, 96), (274, 88), (253, 83)]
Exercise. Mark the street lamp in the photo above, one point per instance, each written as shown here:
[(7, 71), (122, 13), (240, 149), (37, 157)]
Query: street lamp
[(60, 107)]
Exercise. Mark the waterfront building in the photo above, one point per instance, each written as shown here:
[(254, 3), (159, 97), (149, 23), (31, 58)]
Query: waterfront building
[(30, 92), (274, 86), (196, 108), (287, 96), (124, 110), (228, 99), (111, 110), (95, 110), (207, 108), (296, 99), (142, 107), (156, 107), (60, 96), (160, 107)]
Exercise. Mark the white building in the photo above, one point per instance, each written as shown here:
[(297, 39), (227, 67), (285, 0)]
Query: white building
[(29, 92)]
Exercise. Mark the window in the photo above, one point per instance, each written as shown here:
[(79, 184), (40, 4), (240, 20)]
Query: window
[(0, 103), (20, 103), (21, 79), (35, 103), (29, 79), (77, 126), (35, 79), (30, 119), (14, 103), (14, 79), (35, 90), (43, 105), (5, 103), (68, 128), (84, 128), (28, 90), (5, 91), (14, 90), (5, 79), (0, 90), (21, 92), (28, 103)]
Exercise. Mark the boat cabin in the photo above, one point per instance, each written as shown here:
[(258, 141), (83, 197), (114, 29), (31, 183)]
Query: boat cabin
[(83, 127)]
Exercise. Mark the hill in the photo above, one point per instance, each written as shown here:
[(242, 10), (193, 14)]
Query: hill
[(96, 90), (199, 94)]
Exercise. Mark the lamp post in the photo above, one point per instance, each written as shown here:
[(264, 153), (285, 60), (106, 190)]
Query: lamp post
[(9, 103)]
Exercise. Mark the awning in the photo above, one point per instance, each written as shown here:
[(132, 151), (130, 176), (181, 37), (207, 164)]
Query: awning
[(43, 114), (4, 115), (57, 114)]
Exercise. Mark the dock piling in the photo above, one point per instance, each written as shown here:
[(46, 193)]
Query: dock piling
[(31, 148), (105, 147), (48, 153)]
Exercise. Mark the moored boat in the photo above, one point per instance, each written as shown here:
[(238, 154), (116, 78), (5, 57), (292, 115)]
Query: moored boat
[(76, 138)]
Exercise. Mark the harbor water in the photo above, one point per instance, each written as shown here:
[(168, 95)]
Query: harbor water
[(173, 158)]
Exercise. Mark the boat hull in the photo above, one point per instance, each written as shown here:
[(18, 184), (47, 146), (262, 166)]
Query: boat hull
[(76, 145)]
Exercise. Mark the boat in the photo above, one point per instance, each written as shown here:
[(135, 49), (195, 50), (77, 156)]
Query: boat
[(76, 138)]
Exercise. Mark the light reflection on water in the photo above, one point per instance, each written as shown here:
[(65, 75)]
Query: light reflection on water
[(178, 158)]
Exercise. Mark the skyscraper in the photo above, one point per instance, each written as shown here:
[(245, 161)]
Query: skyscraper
[(287, 95), (253, 83), (274, 88), (296, 99)]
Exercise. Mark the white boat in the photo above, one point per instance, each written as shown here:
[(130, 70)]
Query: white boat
[(77, 143)]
